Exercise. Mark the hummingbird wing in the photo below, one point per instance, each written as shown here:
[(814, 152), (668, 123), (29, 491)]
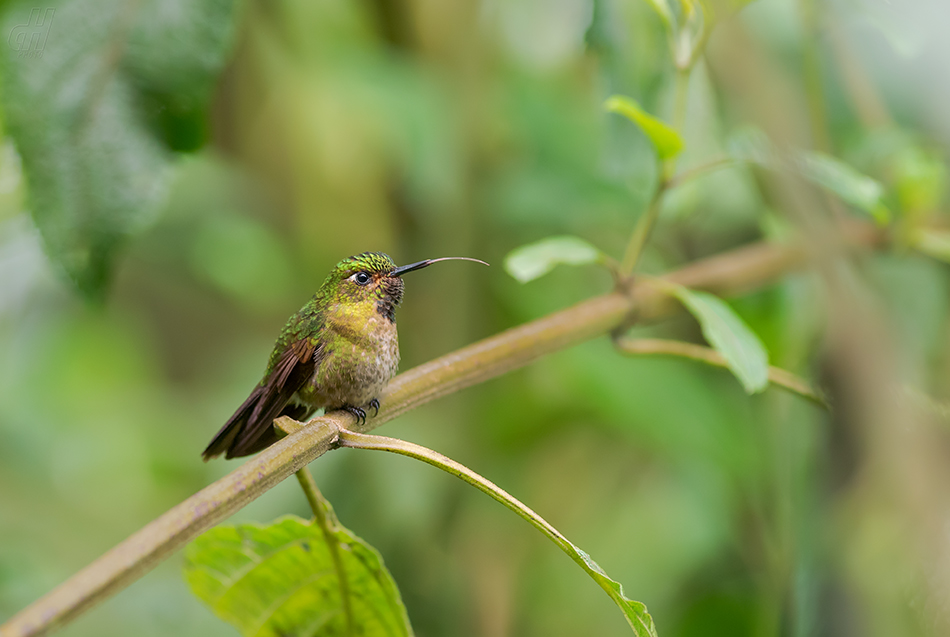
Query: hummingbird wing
[(250, 429)]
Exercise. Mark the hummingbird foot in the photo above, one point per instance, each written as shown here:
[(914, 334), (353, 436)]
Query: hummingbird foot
[(356, 411), (375, 405)]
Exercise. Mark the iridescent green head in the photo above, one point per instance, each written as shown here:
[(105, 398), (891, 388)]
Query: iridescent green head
[(373, 277)]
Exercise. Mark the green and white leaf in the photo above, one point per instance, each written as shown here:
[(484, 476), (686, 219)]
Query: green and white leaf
[(854, 188), (536, 259), (82, 104), (664, 137), (729, 335), (279, 580)]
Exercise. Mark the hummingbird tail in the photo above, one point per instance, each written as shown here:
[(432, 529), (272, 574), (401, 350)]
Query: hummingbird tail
[(251, 427), (224, 439)]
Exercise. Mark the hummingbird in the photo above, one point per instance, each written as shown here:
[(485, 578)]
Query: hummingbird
[(338, 352)]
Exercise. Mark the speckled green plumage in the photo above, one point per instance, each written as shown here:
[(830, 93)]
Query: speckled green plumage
[(338, 351), (309, 320)]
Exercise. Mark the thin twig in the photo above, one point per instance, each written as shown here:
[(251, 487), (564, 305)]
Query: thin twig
[(647, 221), (699, 171), (812, 74), (642, 231), (436, 459), (326, 520), (680, 98), (662, 347)]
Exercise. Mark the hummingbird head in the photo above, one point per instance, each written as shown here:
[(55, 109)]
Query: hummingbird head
[(373, 278)]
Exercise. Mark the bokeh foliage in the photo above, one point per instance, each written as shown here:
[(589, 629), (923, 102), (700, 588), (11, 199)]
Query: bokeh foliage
[(97, 110), (433, 128)]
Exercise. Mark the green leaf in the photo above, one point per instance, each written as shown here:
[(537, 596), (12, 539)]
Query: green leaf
[(730, 336), (636, 612), (664, 138), (534, 260), (87, 104), (279, 581), (920, 178), (859, 190)]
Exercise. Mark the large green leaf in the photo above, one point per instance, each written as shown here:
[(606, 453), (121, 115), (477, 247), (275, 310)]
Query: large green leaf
[(280, 581), (534, 260), (95, 92), (744, 353), (664, 137)]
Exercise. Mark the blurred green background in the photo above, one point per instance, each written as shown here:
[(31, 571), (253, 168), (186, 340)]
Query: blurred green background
[(426, 128)]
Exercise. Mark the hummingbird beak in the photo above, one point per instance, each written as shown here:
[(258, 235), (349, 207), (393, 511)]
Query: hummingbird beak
[(418, 265)]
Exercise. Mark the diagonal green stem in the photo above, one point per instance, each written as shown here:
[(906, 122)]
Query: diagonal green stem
[(699, 171), (436, 459), (647, 221), (326, 520), (642, 231)]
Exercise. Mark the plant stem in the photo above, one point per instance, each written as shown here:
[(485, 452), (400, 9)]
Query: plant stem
[(814, 86), (647, 221), (698, 171), (862, 93), (680, 95), (662, 347), (436, 459), (325, 518), (642, 231)]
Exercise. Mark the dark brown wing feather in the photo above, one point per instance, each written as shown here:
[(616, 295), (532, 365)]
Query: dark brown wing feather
[(251, 429)]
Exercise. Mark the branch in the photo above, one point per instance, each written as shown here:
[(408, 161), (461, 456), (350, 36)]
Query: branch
[(662, 347), (700, 170), (730, 273)]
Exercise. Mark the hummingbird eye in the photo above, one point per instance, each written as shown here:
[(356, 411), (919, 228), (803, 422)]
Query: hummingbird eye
[(361, 278)]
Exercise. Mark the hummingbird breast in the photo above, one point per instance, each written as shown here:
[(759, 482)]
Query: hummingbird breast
[(360, 358)]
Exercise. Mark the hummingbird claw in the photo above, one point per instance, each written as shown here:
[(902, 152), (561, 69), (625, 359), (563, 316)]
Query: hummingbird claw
[(356, 411), (375, 405)]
